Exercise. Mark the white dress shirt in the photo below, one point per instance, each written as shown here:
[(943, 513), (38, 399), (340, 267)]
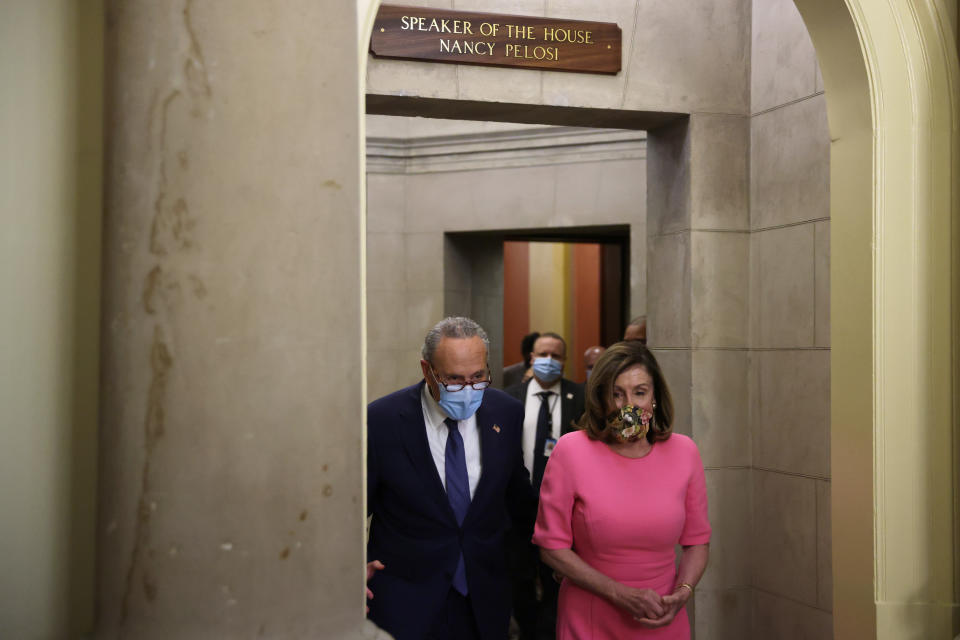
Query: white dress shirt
[(531, 411), (437, 433)]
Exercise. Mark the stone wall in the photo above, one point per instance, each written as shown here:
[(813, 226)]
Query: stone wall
[(457, 178), (789, 330)]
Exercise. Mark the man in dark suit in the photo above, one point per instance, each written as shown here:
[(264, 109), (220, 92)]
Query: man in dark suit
[(445, 476), (552, 405), (517, 373)]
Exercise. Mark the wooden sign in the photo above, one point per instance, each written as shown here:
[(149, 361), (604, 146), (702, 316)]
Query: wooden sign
[(462, 37)]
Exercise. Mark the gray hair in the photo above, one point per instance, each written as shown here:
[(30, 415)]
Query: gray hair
[(452, 327)]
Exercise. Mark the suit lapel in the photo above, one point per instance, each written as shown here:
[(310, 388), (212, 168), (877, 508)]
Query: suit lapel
[(413, 433), (566, 408)]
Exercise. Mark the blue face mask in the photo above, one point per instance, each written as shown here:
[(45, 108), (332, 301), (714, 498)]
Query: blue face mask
[(459, 405), (547, 369)]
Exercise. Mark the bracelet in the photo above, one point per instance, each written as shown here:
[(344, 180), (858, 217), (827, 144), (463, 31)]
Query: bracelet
[(682, 585)]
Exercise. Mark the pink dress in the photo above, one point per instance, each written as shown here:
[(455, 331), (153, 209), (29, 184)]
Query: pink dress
[(623, 517)]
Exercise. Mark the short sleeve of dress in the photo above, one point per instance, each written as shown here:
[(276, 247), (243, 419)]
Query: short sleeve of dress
[(696, 528), (554, 528)]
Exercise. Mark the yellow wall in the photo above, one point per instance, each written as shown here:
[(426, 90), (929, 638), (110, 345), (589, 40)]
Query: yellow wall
[(550, 290), (50, 173)]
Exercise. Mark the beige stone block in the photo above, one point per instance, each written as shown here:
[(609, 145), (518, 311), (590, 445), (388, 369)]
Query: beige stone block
[(783, 61), (577, 189), (784, 619), (622, 195), (386, 257), (595, 91), (434, 201), (510, 199), (720, 399), (819, 79), (676, 367), (423, 309), (385, 203), (495, 84), (456, 264), (424, 261), (695, 60), (595, 193), (589, 90), (668, 178), (722, 614), (782, 283), (382, 373), (638, 268), (509, 7), (728, 495), (668, 291), (486, 265), (784, 543), (821, 265), (824, 548), (790, 164), (406, 78), (720, 293), (456, 303), (719, 174), (792, 432), (386, 319)]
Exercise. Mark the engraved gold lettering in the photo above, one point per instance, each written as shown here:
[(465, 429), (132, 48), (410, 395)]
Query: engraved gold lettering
[(527, 52), (576, 36), (466, 47), (489, 28), (467, 27), (405, 23), (520, 32)]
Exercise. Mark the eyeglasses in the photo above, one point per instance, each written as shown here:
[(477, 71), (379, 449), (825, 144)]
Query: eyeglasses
[(452, 387)]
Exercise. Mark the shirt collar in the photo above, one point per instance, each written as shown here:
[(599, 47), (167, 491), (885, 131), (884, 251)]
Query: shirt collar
[(535, 386), (432, 412)]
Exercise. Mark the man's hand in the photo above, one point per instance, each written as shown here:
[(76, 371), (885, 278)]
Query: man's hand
[(372, 568)]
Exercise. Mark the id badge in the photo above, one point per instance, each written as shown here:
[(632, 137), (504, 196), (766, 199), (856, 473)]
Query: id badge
[(548, 446)]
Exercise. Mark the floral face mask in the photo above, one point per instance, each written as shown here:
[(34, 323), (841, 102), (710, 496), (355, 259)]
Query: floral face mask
[(630, 423)]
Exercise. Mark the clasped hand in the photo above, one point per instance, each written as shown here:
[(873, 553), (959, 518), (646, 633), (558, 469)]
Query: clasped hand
[(649, 608)]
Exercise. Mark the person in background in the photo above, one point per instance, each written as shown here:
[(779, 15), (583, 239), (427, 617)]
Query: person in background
[(617, 497), (445, 480), (552, 405), (637, 330), (590, 357), (520, 371)]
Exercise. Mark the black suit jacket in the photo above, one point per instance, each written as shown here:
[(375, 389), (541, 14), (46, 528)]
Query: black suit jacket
[(414, 531), (571, 402)]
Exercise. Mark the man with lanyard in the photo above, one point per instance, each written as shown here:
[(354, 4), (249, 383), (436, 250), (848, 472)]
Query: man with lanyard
[(552, 405)]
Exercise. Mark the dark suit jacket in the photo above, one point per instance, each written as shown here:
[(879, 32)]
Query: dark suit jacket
[(414, 531), (571, 402), (513, 374)]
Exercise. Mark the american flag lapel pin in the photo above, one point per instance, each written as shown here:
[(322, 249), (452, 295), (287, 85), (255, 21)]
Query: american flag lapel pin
[(496, 428), (569, 396)]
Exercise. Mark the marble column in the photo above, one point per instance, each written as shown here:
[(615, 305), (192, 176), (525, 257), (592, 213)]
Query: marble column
[(698, 302), (230, 501)]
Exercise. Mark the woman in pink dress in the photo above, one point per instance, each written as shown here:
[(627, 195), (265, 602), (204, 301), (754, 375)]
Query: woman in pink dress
[(617, 497)]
